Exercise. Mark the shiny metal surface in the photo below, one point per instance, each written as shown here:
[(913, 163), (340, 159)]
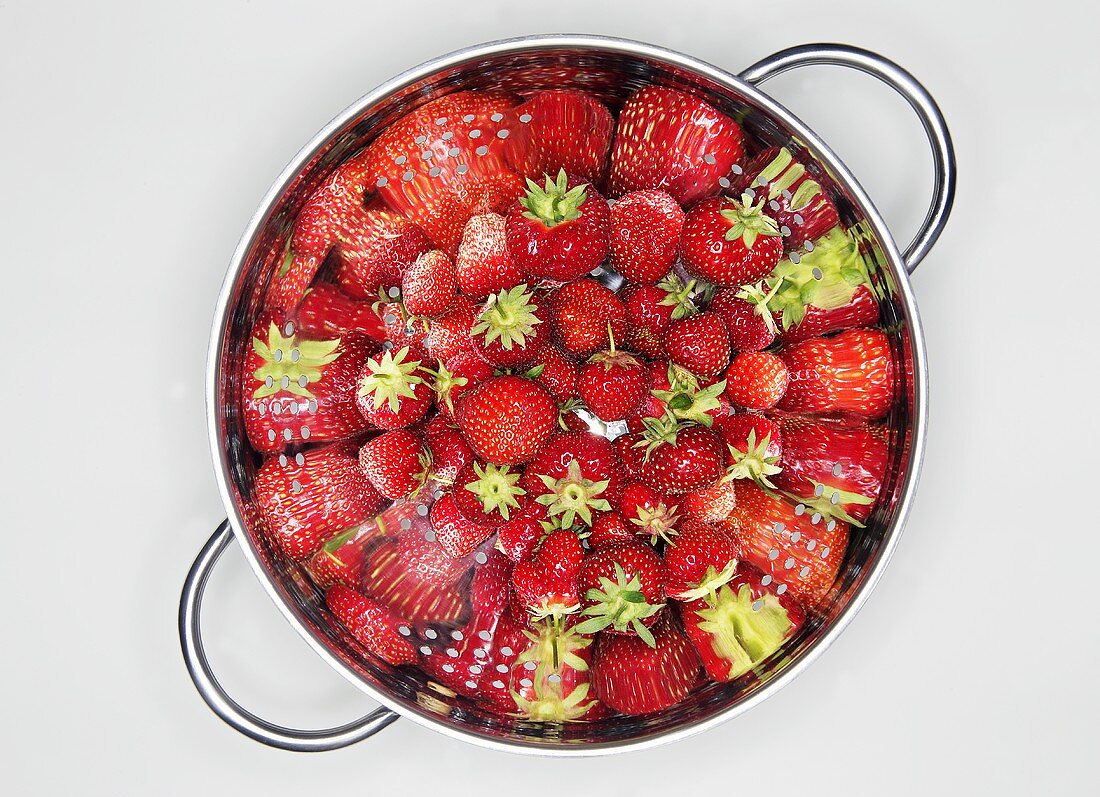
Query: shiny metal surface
[(612, 68)]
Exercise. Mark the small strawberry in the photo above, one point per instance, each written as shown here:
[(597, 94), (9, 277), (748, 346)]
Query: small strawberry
[(460, 373), (372, 625), (415, 579), (547, 584), (428, 286), (507, 419), (649, 513), (585, 314), (632, 677), (645, 235), (681, 459), (669, 140), (612, 384), (326, 312), (510, 328), (557, 373), (699, 343), (449, 335), (712, 504), (754, 443), (576, 475), (851, 372), (631, 449), (750, 325), (608, 528), (623, 590), (728, 242), (488, 494), (559, 232), (518, 536), (448, 449), (650, 309), (483, 265), (392, 393), (756, 380), (570, 131), (703, 558), (396, 462), (456, 534)]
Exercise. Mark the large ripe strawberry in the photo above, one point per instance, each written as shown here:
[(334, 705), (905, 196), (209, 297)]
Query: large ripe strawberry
[(799, 554), (558, 231), (851, 372), (729, 242), (428, 286), (460, 373), (327, 312), (452, 158), (373, 626), (585, 315), (449, 335), (307, 498), (483, 265), (674, 142), (649, 513), (511, 329), (741, 624), (570, 131), (622, 588), (488, 494), (795, 200), (557, 373), (455, 533), (576, 475), (650, 309), (699, 343), (681, 459), (296, 390), (507, 419), (750, 325), (645, 235), (392, 392), (449, 450), (756, 380), (612, 384), (754, 444), (632, 677), (406, 575), (702, 560), (834, 471), (396, 462), (546, 585)]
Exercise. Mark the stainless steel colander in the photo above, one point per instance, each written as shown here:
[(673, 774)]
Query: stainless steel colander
[(611, 69)]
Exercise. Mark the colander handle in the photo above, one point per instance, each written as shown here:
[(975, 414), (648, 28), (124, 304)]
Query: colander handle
[(943, 151), (226, 707)]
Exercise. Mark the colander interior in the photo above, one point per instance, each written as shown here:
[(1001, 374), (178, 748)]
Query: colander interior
[(611, 75)]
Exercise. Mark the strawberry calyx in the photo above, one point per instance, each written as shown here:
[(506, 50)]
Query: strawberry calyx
[(759, 298), (620, 605), (744, 631), (496, 488), (754, 462), (390, 379), (659, 432), (828, 501), (678, 295), (658, 522), (508, 316), (555, 203), (612, 357), (290, 364), (444, 382), (336, 543), (686, 401), (747, 221), (554, 647), (573, 496), (711, 583), (550, 706)]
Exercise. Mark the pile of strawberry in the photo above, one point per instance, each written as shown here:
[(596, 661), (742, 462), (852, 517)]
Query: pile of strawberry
[(557, 499)]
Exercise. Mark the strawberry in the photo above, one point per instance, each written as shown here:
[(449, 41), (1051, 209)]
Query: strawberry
[(372, 625), (428, 286), (456, 534), (547, 584), (676, 392), (460, 373), (418, 167), (756, 380), (681, 460), (518, 536), (712, 504), (851, 372), (550, 677), (570, 131), (699, 343), (396, 462), (340, 560), (574, 476), (795, 200), (400, 330), (391, 391), (585, 315), (405, 575), (327, 312), (510, 328), (799, 554), (612, 384), (632, 677), (740, 624), (507, 419), (560, 231), (623, 590), (557, 373), (703, 558), (650, 309), (296, 389), (307, 498), (448, 449), (478, 665), (645, 235), (649, 513), (425, 558), (488, 494), (754, 443), (728, 242), (669, 140), (631, 450), (483, 265), (750, 325), (608, 528), (449, 335), (833, 471)]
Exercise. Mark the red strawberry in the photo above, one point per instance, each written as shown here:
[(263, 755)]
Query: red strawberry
[(852, 372), (546, 585), (510, 328), (483, 265), (712, 504), (460, 373), (397, 463), (550, 677), (449, 450), (740, 624), (310, 497), (834, 471), (649, 513), (682, 460), (699, 343), (397, 579), (385, 245), (340, 560), (612, 384), (623, 590), (608, 528), (756, 380), (488, 494), (645, 235), (557, 373), (574, 476), (456, 534), (650, 309), (558, 232), (518, 536), (570, 130), (449, 335), (632, 677), (507, 420), (327, 312), (754, 444), (672, 141), (425, 558), (585, 314), (729, 242), (795, 201), (631, 451), (788, 546), (428, 287), (703, 558), (392, 393), (478, 665), (374, 626), (750, 326), (296, 390)]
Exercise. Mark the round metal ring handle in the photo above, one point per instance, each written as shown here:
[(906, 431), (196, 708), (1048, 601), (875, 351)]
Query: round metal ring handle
[(943, 151), (226, 707)]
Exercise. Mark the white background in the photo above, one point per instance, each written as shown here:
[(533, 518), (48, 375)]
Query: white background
[(137, 138)]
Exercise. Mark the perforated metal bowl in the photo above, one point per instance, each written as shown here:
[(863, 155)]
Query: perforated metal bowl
[(612, 69)]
